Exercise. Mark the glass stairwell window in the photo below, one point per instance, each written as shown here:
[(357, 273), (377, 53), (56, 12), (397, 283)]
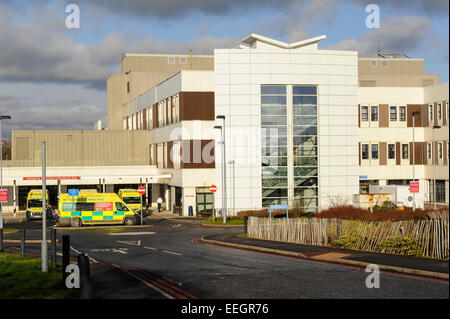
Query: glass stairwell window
[(274, 145), (304, 123)]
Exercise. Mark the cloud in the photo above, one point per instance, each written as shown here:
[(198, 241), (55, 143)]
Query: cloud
[(36, 53), (400, 35)]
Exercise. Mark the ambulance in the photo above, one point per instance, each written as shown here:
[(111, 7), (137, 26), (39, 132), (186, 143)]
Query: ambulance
[(94, 209), (34, 204), (132, 198)]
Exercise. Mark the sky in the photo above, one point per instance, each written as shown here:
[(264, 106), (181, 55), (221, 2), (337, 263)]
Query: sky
[(53, 77)]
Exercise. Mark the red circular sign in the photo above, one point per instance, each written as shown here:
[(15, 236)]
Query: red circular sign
[(141, 190), (213, 188)]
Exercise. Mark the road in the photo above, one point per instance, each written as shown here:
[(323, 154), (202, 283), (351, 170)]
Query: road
[(168, 251)]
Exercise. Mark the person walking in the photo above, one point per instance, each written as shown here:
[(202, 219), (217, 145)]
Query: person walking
[(159, 200)]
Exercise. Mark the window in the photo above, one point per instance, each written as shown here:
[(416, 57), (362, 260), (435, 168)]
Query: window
[(121, 207), (391, 151), (364, 113), (405, 153), (365, 151), (128, 87), (440, 151), (374, 151), (373, 63), (402, 113), (171, 60), (183, 60), (430, 113), (439, 109), (393, 113), (429, 151), (384, 63), (374, 113)]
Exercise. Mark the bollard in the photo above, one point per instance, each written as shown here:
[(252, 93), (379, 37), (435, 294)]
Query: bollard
[(66, 256), (245, 224), (85, 276), (53, 237), (22, 242)]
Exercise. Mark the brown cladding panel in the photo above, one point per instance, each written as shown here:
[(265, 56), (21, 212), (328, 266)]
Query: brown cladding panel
[(144, 120), (444, 113), (359, 153), (435, 115), (436, 158), (359, 115), (383, 153), (424, 112), (197, 106), (398, 155), (414, 108), (384, 115), (192, 154), (155, 115), (169, 156), (424, 153), (445, 152)]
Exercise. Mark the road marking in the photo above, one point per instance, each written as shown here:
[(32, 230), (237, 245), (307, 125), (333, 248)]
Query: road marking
[(113, 250), (130, 242), (171, 252), (151, 248), (177, 225), (133, 233)]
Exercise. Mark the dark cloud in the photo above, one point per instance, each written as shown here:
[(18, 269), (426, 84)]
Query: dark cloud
[(399, 35)]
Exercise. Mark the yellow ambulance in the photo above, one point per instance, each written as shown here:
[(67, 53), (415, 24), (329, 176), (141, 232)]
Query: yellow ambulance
[(94, 209), (34, 204), (132, 198)]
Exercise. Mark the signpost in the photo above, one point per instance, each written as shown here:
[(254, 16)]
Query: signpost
[(141, 191), (414, 187), (213, 188), (279, 207), (73, 193)]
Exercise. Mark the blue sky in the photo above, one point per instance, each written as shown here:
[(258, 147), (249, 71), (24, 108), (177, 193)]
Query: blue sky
[(39, 54)]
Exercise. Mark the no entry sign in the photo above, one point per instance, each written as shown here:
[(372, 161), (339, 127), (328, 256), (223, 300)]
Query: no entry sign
[(141, 190), (213, 188), (3, 195), (414, 187)]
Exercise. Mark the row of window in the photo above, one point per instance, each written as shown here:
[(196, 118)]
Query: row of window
[(373, 151), (168, 113), (439, 110), (396, 113)]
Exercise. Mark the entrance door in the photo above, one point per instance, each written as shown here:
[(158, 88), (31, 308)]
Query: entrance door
[(204, 201)]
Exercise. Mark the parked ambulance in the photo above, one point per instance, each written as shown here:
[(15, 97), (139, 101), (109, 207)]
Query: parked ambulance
[(132, 198), (34, 204), (94, 209)]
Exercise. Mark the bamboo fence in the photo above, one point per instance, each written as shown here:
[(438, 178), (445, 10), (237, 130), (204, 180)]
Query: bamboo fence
[(430, 238)]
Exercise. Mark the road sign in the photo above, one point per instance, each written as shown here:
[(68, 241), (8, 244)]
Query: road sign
[(3, 195), (74, 192), (213, 188), (414, 187), (141, 190)]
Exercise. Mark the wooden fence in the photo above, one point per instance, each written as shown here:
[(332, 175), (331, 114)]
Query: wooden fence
[(427, 238)]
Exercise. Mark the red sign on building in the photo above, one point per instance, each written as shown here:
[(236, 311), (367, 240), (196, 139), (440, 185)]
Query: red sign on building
[(50, 178), (141, 190), (3, 195), (414, 187), (213, 188)]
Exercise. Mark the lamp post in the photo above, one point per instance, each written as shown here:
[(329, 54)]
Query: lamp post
[(2, 117), (434, 176), (414, 158), (224, 169), (232, 162)]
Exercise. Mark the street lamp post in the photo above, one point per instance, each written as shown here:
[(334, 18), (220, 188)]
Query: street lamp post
[(413, 155), (2, 117), (434, 176), (232, 162), (224, 172)]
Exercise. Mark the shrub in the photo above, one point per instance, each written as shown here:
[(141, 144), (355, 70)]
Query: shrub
[(400, 245), (346, 241)]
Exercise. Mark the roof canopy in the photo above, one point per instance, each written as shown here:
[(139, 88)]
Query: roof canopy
[(252, 38)]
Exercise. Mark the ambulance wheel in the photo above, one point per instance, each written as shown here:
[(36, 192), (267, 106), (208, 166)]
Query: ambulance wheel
[(75, 222), (129, 221)]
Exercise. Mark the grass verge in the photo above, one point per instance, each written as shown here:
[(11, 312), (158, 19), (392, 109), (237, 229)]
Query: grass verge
[(22, 278), (10, 230), (219, 221)]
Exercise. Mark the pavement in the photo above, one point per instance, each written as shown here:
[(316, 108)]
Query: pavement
[(403, 264)]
